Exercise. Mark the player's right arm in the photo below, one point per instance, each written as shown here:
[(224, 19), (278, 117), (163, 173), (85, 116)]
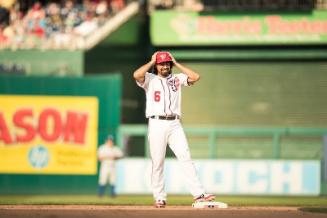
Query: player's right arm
[(139, 74)]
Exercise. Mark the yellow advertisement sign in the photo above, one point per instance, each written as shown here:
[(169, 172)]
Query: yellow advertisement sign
[(48, 134)]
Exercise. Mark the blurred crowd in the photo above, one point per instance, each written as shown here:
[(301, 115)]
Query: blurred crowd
[(56, 24), (52, 24)]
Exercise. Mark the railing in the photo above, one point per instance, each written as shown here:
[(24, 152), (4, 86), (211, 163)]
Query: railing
[(213, 134)]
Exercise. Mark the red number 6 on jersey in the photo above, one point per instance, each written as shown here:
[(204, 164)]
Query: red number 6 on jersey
[(156, 95)]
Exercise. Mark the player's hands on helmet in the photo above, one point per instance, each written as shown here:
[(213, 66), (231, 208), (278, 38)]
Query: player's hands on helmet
[(153, 58), (172, 58)]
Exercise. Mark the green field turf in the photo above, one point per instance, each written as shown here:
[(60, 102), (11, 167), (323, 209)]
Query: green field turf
[(172, 200)]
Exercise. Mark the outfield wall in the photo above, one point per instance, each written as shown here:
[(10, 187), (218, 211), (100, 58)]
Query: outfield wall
[(257, 93), (232, 177), (50, 129), (42, 62)]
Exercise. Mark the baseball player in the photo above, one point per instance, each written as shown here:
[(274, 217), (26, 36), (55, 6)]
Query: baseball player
[(108, 153), (163, 109)]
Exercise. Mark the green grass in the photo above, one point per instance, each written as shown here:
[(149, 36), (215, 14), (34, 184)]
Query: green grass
[(172, 200)]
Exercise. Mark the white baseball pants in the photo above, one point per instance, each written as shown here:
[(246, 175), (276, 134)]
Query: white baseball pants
[(161, 133), (107, 174)]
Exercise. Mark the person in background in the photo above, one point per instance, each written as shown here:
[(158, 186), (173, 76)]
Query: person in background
[(108, 153)]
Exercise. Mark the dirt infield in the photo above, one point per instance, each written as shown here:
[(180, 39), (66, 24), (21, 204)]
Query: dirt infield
[(95, 211)]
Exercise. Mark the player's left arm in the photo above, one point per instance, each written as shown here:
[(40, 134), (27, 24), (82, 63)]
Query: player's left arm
[(192, 76)]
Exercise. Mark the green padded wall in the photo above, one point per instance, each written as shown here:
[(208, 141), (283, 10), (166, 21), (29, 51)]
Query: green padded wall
[(257, 93), (108, 90)]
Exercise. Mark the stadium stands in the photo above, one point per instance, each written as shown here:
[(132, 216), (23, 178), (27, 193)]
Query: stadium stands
[(53, 25)]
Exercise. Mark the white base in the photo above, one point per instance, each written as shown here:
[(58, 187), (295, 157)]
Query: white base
[(209, 204)]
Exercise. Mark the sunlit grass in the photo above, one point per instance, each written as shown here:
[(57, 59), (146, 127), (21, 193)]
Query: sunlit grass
[(172, 199)]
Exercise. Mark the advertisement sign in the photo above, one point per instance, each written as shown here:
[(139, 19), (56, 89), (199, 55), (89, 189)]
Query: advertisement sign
[(239, 177), (48, 134), (192, 28)]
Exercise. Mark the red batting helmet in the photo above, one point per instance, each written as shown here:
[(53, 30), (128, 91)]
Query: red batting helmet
[(163, 56)]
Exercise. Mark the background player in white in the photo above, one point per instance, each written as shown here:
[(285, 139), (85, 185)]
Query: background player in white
[(163, 108), (108, 153)]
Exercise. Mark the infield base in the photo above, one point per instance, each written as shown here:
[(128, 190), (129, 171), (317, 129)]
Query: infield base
[(210, 205)]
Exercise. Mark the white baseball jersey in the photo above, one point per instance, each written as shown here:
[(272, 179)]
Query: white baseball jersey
[(163, 95), (107, 169)]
